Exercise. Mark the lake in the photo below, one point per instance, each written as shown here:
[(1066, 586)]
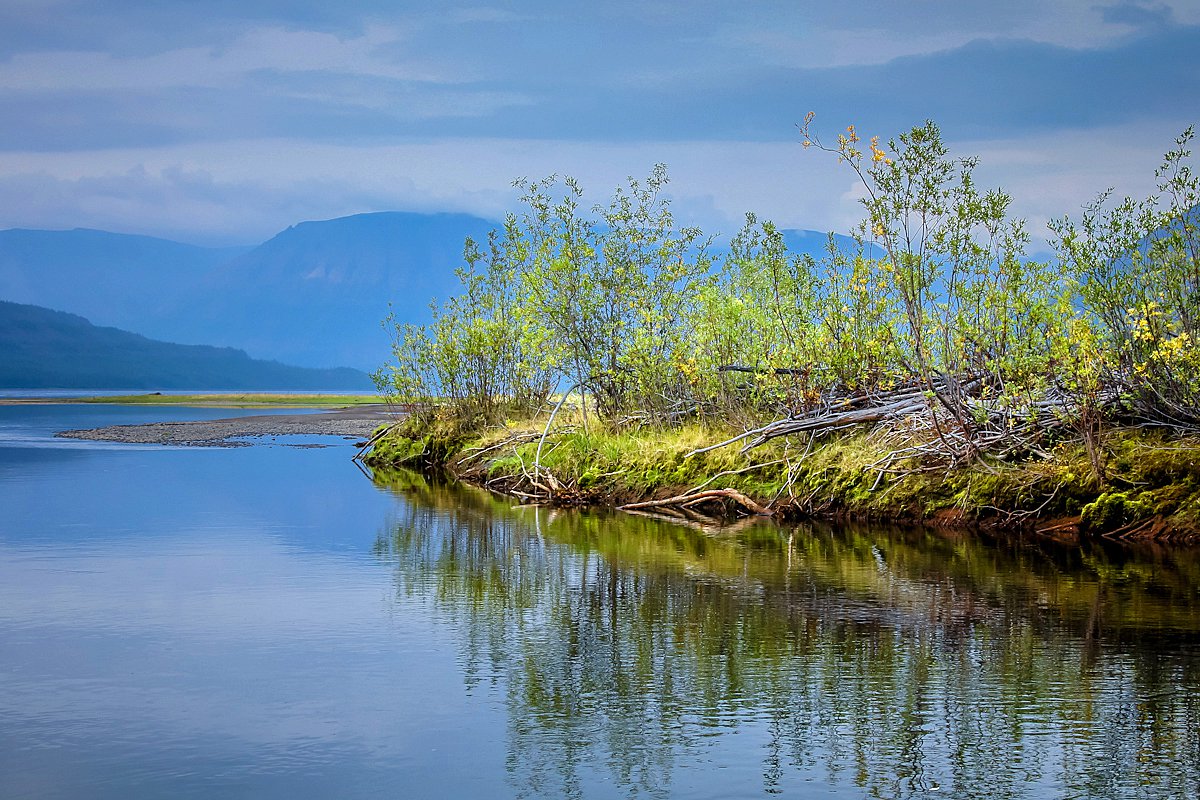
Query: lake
[(272, 622)]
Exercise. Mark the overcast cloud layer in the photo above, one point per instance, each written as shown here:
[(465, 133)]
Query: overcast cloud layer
[(222, 122)]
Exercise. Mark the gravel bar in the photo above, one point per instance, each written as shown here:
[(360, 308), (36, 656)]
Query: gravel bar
[(357, 422)]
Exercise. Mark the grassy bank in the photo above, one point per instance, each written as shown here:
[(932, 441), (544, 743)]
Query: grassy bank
[(231, 400), (1150, 486)]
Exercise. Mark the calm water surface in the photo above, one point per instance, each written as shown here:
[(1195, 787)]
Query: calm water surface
[(268, 622)]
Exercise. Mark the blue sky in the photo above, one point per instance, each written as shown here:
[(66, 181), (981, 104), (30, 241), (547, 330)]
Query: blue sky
[(218, 121)]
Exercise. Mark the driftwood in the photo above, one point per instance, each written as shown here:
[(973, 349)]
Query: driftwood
[(537, 458), (365, 447), (684, 501), (474, 454), (950, 419)]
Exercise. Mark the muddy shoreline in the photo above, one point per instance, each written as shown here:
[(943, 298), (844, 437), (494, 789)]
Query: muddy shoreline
[(356, 423)]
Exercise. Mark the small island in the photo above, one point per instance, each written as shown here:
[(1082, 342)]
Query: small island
[(931, 371)]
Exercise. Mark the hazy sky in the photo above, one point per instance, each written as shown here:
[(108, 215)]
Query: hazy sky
[(223, 121)]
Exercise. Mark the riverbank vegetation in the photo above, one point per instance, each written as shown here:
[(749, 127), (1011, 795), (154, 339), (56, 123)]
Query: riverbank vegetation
[(930, 369)]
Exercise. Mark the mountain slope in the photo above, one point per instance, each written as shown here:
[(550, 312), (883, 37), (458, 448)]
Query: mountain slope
[(40, 348), (133, 282), (317, 292)]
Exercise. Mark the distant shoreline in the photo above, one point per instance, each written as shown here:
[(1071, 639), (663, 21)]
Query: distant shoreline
[(214, 400)]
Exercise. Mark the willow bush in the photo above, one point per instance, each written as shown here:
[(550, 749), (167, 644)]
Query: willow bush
[(480, 353), (1138, 265), (960, 300), (758, 313), (612, 291), (562, 298)]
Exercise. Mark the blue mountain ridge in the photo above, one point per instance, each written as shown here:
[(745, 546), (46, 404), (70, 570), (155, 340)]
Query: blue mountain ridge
[(46, 349)]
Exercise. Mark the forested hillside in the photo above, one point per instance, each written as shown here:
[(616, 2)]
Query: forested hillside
[(41, 348)]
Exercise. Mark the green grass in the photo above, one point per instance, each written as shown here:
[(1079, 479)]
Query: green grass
[(1151, 485)]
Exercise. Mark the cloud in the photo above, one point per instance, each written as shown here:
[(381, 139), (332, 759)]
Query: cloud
[(372, 54), (824, 36), (1136, 14), (384, 83), (320, 108), (979, 89), (243, 192), (114, 116), (188, 204)]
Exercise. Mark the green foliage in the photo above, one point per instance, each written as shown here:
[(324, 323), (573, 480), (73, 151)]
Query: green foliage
[(558, 297), (936, 292), (1112, 511), (858, 334), (611, 293), (953, 292), (1138, 264), (478, 353), (759, 311), (1155, 479)]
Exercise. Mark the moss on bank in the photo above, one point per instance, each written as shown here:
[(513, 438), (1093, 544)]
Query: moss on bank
[(1150, 487)]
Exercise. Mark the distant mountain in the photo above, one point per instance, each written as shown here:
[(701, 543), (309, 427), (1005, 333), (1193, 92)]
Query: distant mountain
[(814, 243), (317, 292), (41, 349)]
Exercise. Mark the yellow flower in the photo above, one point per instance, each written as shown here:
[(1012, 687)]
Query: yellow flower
[(877, 154)]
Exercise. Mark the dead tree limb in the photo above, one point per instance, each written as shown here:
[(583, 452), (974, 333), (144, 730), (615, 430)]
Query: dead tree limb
[(684, 500)]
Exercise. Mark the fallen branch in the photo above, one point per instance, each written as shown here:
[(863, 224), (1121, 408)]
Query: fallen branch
[(725, 443), (537, 458), (520, 438), (762, 370), (683, 500), (379, 434)]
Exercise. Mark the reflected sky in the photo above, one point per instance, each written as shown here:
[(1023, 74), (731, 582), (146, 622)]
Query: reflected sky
[(267, 622), (212, 622)]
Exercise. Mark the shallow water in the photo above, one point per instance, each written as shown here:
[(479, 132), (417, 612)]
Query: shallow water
[(268, 622)]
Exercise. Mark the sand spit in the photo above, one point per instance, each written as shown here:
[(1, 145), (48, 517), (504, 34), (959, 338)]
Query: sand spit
[(356, 423)]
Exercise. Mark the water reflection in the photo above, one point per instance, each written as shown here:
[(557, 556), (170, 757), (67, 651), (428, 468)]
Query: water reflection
[(670, 661)]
